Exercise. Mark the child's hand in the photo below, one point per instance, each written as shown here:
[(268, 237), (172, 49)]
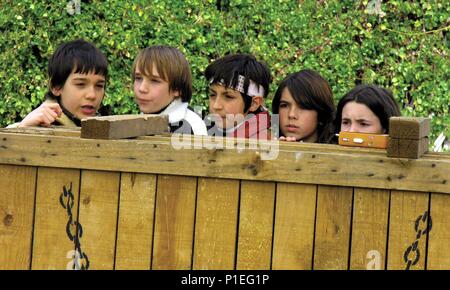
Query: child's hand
[(44, 115), (288, 139)]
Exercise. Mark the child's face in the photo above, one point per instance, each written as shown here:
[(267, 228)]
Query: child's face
[(226, 104), (295, 121), (357, 117), (152, 93), (82, 94)]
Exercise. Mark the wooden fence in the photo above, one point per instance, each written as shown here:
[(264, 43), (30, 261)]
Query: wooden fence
[(67, 202)]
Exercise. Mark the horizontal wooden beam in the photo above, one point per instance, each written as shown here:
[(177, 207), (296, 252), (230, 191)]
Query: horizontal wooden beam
[(295, 163), (165, 137)]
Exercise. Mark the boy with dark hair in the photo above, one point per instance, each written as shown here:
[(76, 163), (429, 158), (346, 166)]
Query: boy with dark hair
[(238, 84), (77, 78), (304, 103)]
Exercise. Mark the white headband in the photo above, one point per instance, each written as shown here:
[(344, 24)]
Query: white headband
[(253, 88)]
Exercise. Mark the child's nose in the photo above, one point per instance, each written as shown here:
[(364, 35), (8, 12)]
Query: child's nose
[(353, 128), (91, 94), (217, 104), (143, 87), (292, 113)]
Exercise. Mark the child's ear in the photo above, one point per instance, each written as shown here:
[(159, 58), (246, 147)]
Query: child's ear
[(176, 94), (257, 101), (56, 91)]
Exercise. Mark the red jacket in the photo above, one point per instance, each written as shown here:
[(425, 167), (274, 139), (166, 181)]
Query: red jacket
[(257, 127)]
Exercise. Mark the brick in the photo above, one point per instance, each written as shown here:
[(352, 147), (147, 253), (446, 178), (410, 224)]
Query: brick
[(124, 126)]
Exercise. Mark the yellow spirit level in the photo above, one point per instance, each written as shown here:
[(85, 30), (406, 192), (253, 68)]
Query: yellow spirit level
[(357, 139)]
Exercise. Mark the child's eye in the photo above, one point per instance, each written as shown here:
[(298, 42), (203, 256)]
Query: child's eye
[(156, 81), (79, 84), (283, 105), (345, 123), (229, 97), (100, 86), (137, 78)]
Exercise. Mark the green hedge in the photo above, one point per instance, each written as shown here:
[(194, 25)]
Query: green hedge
[(401, 45)]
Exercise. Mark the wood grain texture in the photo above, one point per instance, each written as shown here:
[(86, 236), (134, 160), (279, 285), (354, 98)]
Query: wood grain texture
[(406, 207), (306, 164), (99, 198), (332, 238), (17, 197), (369, 232), (294, 226), (174, 222), (216, 224), (439, 236), (135, 228), (256, 219), (52, 246), (124, 126)]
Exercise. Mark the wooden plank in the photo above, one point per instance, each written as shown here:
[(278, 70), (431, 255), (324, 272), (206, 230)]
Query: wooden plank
[(124, 126), (51, 131), (369, 232), (135, 228), (322, 166), (52, 248), (17, 197), (99, 199), (174, 222), (406, 207), (439, 236), (164, 138), (216, 224), (332, 236), (256, 219), (294, 226), (294, 146)]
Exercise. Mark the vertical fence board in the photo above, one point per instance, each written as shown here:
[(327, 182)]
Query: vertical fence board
[(135, 227), (294, 226), (255, 225), (174, 222), (99, 199), (406, 207), (369, 233), (216, 224), (439, 240), (17, 197), (332, 236), (53, 248)]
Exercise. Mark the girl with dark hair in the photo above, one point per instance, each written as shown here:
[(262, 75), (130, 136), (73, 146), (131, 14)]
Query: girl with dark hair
[(238, 84), (366, 109), (304, 102)]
